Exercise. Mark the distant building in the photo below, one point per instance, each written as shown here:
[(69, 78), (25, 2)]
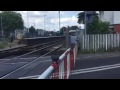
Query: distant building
[(41, 32), (113, 17)]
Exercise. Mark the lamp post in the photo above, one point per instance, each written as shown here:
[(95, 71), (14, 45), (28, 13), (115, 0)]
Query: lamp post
[(59, 20), (44, 21), (27, 21)]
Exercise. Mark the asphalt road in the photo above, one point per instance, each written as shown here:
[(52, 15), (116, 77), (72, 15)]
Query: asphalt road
[(8, 67), (97, 66), (87, 66)]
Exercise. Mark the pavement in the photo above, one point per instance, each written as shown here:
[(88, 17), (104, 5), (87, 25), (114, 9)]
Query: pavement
[(97, 66)]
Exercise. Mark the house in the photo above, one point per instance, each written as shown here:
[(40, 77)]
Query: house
[(113, 17)]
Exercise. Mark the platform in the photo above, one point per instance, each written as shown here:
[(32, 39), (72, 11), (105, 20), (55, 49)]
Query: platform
[(12, 47)]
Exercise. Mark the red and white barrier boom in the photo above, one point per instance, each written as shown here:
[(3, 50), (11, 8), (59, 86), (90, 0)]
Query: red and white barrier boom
[(61, 66)]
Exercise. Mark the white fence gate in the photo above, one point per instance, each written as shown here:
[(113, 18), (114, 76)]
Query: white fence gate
[(97, 42)]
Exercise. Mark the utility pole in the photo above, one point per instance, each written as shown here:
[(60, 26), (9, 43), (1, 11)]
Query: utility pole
[(27, 22), (44, 22), (85, 24), (1, 26), (34, 25), (59, 20)]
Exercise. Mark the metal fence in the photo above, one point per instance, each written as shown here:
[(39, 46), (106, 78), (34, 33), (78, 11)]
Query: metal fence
[(60, 69), (98, 42)]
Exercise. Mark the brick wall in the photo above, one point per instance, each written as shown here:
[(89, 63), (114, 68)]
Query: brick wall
[(117, 28)]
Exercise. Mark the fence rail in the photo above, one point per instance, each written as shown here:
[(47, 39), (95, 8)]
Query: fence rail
[(97, 42), (61, 67)]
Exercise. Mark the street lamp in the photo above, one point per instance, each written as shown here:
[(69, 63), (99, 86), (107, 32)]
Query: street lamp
[(44, 21), (59, 20), (27, 21)]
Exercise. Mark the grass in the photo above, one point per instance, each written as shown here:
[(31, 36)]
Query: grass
[(4, 44)]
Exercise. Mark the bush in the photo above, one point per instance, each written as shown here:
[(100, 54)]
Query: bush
[(3, 44), (98, 27)]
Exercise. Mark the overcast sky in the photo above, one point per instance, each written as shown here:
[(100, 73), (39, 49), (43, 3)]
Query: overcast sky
[(36, 18)]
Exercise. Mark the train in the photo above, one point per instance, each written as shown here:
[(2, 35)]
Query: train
[(74, 35)]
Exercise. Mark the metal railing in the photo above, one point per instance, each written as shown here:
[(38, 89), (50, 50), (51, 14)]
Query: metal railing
[(62, 65)]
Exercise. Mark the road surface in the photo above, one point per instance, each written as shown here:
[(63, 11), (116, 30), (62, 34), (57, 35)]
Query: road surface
[(8, 67), (97, 66)]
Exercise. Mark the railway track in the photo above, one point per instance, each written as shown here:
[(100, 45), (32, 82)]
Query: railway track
[(22, 50), (31, 63)]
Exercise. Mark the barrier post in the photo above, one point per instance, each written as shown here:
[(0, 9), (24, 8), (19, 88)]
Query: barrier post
[(62, 65), (55, 59)]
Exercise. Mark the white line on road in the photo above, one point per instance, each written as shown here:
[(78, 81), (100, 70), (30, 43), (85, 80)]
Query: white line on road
[(46, 61), (16, 63), (28, 58), (95, 69), (30, 77), (25, 62), (4, 59)]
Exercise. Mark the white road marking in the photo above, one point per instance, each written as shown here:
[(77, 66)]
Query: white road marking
[(26, 62), (46, 61), (4, 59), (46, 57), (28, 58), (30, 77), (91, 56), (16, 63), (94, 69)]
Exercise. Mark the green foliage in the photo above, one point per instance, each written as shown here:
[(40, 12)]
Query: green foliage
[(98, 27), (62, 30), (32, 30), (3, 44), (81, 17), (11, 21)]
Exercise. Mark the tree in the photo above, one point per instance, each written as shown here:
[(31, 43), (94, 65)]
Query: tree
[(11, 21), (81, 17), (62, 30), (98, 27), (32, 30)]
